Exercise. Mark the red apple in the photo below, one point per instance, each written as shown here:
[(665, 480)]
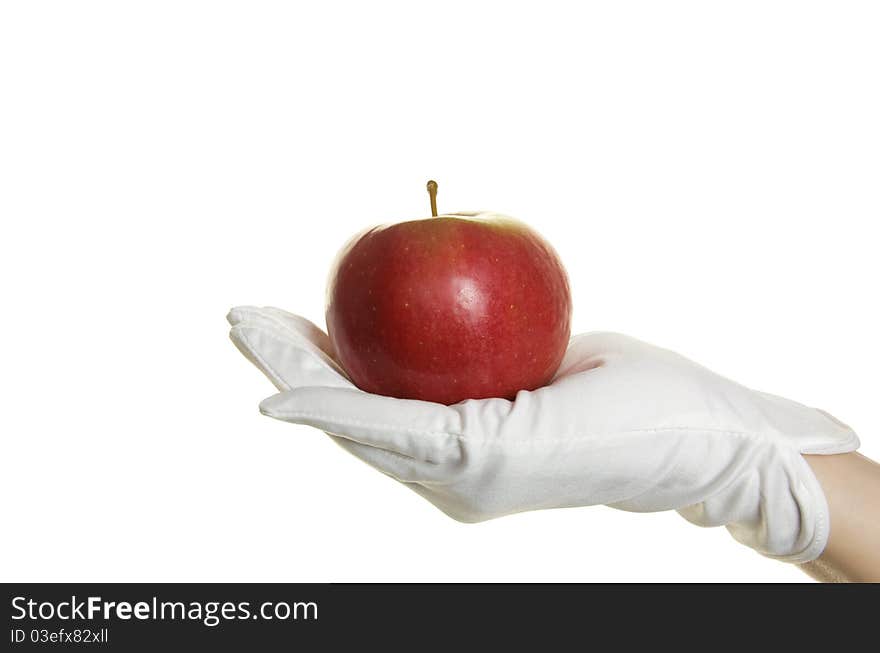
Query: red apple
[(454, 307)]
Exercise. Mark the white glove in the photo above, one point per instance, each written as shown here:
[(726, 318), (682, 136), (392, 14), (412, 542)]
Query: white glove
[(624, 423)]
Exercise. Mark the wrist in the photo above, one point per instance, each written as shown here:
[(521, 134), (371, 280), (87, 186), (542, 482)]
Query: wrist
[(851, 484)]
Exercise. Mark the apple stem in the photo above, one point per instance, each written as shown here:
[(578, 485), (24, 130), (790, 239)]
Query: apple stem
[(432, 191)]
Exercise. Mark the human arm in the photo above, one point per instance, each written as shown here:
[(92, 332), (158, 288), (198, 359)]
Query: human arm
[(851, 483)]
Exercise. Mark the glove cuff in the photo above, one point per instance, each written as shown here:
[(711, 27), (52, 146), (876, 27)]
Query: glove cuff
[(814, 516), (777, 508)]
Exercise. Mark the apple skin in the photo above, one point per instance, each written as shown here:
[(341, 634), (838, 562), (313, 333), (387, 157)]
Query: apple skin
[(455, 307)]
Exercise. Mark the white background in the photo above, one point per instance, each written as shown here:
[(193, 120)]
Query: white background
[(707, 171)]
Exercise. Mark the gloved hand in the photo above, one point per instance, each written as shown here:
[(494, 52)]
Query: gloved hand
[(624, 423)]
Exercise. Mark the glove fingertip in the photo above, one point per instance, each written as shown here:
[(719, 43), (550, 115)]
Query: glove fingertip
[(237, 314), (272, 406)]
